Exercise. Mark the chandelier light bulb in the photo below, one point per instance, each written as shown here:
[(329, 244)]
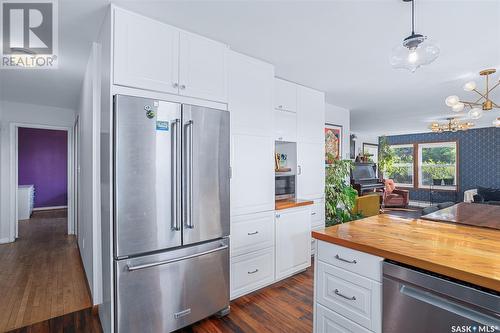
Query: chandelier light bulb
[(475, 113), (452, 100), (470, 86), (496, 122), (458, 107), (412, 57)]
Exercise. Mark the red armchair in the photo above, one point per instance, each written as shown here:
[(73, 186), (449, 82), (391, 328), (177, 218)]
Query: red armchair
[(394, 197)]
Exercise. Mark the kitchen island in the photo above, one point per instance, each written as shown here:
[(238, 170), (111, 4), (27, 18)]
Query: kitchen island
[(350, 280)]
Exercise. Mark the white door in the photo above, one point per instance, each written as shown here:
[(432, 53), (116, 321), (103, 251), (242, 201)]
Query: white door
[(146, 53), (310, 115), (202, 71), (252, 181), (285, 126), (285, 95), (310, 170), (293, 241), (250, 95)]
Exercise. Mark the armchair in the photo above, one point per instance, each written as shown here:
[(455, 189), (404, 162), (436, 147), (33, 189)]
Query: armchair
[(394, 197)]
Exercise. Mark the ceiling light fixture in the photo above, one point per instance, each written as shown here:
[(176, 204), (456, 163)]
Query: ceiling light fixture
[(496, 122), (416, 50), (453, 125), (484, 103)]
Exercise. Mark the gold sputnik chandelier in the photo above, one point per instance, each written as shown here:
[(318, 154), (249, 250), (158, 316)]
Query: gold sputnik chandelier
[(483, 103), (453, 125)]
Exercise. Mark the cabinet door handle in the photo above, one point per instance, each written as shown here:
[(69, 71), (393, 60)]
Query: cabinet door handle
[(299, 169), (280, 106), (183, 86), (278, 216), (338, 293), (313, 213), (253, 272), (175, 85), (345, 260), (252, 233)]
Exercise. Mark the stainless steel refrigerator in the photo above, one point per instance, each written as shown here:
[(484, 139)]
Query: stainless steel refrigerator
[(171, 214)]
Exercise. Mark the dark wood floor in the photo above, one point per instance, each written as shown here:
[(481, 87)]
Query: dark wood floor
[(41, 274)]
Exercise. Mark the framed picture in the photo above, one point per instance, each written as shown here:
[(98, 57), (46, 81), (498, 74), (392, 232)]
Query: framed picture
[(352, 147), (370, 151), (333, 143)]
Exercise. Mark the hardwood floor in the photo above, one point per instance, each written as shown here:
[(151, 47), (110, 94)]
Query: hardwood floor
[(41, 274)]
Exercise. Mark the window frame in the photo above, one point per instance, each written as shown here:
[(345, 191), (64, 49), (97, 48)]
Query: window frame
[(407, 145), (418, 163)]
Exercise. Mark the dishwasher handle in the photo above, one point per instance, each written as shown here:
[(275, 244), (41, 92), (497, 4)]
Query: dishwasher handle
[(448, 305)]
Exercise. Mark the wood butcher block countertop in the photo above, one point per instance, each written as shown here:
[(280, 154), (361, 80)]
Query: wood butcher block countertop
[(466, 253), (291, 203)]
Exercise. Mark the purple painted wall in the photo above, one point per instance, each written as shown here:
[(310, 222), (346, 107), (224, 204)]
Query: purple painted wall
[(43, 156)]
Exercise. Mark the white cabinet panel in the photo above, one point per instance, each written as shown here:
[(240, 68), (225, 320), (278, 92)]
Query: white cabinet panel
[(146, 53), (285, 126), (202, 72), (310, 115), (252, 232), (250, 95), (318, 213), (310, 170), (252, 271), (252, 181), (330, 322), (293, 241), (285, 95)]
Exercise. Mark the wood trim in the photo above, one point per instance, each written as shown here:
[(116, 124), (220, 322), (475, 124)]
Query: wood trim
[(415, 166)]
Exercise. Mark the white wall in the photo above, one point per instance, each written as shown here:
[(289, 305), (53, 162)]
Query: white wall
[(28, 114), (89, 225), (364, 138), (340, 116)]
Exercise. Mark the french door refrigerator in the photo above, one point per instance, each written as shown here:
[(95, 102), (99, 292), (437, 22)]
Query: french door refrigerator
[(171, 214)]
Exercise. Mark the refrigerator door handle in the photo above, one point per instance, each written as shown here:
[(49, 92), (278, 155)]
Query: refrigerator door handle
[(189, 178), (176, 169), (165, 262)]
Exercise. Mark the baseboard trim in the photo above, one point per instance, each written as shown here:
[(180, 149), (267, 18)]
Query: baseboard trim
[(50, 208), (5, 240)]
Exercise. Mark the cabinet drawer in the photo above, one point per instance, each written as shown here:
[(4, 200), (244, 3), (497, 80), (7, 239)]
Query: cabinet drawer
[(252, 232), (355, 297), (328, 321), (318, 214), (251, 271), (354, 261)]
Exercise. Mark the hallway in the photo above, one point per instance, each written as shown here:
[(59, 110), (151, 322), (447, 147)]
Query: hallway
[(41, 274)]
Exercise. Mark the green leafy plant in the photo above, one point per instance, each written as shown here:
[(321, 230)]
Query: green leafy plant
[(386, 157), (340, 197)]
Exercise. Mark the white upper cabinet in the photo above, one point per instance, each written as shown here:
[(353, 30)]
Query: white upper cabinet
[(146, 53), (285, 95), (285, 126), (310, 170), (250, 95), (252, 181), (202, 72), (154, 56), (310, 115)]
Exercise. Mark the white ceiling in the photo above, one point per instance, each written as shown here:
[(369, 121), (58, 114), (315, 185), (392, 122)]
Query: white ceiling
[(340, 47)]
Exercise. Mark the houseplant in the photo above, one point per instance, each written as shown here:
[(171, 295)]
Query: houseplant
[(386, 157), (340, 197)]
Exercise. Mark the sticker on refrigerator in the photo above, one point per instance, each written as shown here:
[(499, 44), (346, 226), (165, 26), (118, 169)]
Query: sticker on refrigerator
[(162, 125)]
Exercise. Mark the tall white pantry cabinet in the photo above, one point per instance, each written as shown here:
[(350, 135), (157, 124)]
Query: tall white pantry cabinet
[(188, 68)]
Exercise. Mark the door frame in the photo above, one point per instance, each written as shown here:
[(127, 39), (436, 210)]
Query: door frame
[(14, 155)]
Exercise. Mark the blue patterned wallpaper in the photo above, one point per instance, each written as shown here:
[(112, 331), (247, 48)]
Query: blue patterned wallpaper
[(479, 159)]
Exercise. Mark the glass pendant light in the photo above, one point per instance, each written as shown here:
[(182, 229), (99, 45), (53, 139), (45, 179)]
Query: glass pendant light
[(475, 113), (416, 50), (496, 122)]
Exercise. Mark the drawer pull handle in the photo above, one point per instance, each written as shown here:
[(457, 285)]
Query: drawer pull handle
[(345, 260), (313, 213), (338, 293), (252, 233), (254, 271)]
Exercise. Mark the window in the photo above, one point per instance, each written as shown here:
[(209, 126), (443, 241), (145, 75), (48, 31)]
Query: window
[(402, 169), (437, 165)]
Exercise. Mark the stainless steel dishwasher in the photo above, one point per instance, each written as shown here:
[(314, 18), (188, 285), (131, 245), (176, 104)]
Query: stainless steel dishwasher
[(415, 301)]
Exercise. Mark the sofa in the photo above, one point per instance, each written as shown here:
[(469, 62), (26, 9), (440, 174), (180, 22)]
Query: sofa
[(485, 195)]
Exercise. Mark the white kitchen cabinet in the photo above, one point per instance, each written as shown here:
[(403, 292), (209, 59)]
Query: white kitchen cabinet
[(252, 232), (146, 53), (250, 95), (252, 180), (285, 126), (318, 213), (202, 68), (310, 115), (310, 170), (152, 55), (293, 241), (285, 95)]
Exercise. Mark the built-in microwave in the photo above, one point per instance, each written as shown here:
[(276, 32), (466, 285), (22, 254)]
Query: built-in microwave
[(284, 187)]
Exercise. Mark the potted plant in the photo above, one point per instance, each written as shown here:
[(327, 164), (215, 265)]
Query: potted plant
[(340, 197), (386, 157)]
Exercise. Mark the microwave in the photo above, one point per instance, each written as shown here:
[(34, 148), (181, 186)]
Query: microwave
[(284, 187)]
